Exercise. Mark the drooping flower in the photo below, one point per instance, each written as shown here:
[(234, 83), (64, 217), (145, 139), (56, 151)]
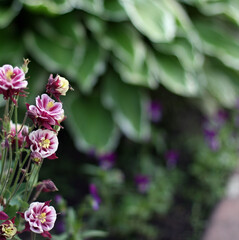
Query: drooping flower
[(95, 197), (46, 113), (40, 218), (21, 136), (155, 111), (47, 186), (7, 229), (44, 142), (142, 182), (172, 157), (36, 157), (57, 86), (12, 81), (107, 160)]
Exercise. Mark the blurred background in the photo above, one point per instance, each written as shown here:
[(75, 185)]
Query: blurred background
[(152, 127)]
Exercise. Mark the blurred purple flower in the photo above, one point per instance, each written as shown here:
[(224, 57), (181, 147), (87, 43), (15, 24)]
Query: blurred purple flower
[(221, 117), (155, 111), (172, 158), (95, 197), (58, 199), (211, 138), (60, 226), (107, 160), (142, 182)]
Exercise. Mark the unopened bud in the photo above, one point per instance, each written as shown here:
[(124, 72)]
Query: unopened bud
[(47, 186), (25, 65), (36, 157)]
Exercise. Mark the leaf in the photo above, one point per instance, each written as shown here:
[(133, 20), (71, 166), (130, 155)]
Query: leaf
[(49, 53), (92, 66), (152, 18), (114, 11), (219, 42), (49, 6), (133, 57), (128, 106), (90, 124), (190, 58), (7, 14), (93, 233), (175, 78), (92, 6), (222, 83)]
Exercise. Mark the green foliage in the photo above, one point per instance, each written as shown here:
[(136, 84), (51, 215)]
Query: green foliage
[(117, 55)]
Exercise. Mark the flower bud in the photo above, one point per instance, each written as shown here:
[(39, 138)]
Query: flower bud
[(36, 157), (47, 186), (57, 86)]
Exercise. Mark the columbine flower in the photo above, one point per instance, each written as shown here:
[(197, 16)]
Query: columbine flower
[(44, 142), (47, 186), (8, 230), (57, 86), (46, 113), (155, 111), (40, 218), (172, 158), (12, 81), (107, 160), (21, 136), (142, 183), (95, 197)]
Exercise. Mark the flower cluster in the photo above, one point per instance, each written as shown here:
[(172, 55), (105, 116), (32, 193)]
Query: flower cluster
[(24, 148)]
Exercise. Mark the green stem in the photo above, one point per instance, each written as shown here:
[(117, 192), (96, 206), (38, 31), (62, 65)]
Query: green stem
[(8, 172), (19, 184), (34, 179), (3, 165)]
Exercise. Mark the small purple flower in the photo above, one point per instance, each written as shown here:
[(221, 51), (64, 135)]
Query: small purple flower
[(107, 160), (58, 199), (142, 182), (221, 117), (172, 158), (155, 111), (95, 197), (60, 226), (211, 138)]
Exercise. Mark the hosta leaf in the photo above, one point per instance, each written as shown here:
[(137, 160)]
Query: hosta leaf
[(7, 14), (90, 124), (49, 6), (93, 64), (128, 106), (188, 56), (219, 42), (49, 53), (132, 55), (64, 29), (173, 76), (92, 6), (223, 84), (152, 18), (114, 11)]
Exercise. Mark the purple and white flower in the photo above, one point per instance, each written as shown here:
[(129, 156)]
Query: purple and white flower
[(44, 142), (46, 113)]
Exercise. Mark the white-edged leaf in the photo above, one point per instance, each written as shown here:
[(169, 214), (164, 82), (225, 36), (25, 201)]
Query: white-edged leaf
[(90, 124), (219, 41), (152, 18), (49, 6), (173, 76), (128, 105)]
